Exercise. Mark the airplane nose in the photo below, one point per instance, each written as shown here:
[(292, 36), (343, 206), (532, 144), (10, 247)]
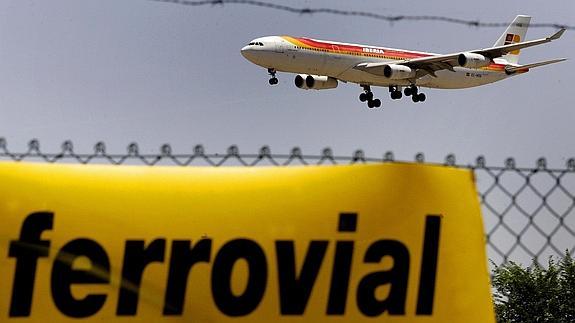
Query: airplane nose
[(248, 53), (245, 51)]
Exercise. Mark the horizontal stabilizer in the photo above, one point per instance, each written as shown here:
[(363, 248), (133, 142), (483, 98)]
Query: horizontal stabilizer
[(557, 35), (512, 69)]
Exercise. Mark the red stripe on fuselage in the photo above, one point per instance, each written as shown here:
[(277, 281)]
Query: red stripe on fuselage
[(335, 47), (359, 49)]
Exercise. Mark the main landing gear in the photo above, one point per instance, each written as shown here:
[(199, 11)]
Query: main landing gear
[(273, 80), (367, 95), (395, 93), (413, 92)]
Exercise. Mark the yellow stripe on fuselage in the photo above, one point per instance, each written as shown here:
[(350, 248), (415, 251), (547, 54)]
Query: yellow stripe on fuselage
[(300, 44)]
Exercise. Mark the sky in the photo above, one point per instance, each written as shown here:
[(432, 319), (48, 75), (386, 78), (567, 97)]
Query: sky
[(154, 73)]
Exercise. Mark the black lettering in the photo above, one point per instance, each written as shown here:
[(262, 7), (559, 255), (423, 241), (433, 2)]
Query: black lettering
[(64, 276), (181, 261), (294, 291), (340, 278), (347, 222), (428, 265), (248, 301), (397, 276), (136, 258), (27, 249)]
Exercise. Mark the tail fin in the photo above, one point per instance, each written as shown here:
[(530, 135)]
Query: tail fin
[(515, 33)]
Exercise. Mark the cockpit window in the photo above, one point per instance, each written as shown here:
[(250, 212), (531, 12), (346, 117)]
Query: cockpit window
[(251, 44), (260, 44), (256, 44)]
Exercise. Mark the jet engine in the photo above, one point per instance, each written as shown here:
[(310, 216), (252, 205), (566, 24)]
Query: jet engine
[(473, 60), (398, 72), (316, 82)]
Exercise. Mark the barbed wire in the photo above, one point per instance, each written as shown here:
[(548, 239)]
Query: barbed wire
[(362, 14), (529, 212)]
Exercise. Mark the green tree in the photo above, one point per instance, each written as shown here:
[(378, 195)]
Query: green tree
[(535, 294)]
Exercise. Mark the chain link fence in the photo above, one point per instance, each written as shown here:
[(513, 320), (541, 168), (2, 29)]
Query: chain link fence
[(529, 213)]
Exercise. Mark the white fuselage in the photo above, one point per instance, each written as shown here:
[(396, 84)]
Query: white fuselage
[(337, 60)]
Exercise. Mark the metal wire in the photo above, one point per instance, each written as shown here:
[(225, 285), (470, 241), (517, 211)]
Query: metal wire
[(354, 13), (529, 212)]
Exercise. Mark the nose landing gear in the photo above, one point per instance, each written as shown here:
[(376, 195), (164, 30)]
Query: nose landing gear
[(273, 80), (367, 95)]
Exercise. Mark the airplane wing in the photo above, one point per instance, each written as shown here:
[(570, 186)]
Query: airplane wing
[(431, 64), (499, 51), (512, 69)]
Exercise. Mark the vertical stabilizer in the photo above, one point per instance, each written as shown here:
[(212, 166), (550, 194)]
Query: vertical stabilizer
[(515, 33)]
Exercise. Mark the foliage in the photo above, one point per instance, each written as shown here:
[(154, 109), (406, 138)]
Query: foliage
[(535, 294)]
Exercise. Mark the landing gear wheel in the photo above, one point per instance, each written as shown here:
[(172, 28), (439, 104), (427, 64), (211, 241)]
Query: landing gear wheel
[(396, 95), (367, 95), (407, 91), (415, 98), (421, 97), (273, 80)]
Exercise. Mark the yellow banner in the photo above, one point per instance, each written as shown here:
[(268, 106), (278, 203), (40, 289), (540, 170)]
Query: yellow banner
[(393, 242)]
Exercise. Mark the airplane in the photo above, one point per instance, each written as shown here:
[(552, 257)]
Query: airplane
[(320, 64)]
